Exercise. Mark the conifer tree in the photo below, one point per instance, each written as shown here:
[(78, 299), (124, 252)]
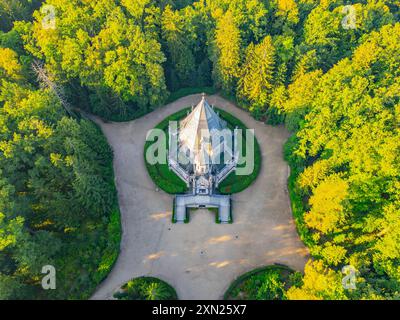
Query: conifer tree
[(226, 52), (257, 76)]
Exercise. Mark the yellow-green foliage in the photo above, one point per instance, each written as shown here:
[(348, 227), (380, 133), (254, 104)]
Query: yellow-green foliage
[(337, 89), (58, 202), (350, 142), (319, 283)]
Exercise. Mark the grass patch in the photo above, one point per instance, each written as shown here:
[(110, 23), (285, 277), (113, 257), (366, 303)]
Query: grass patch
[(265, 283), (161, 175), (168, 181), (113, 246), (146, 288), (230, 211), (216, 214), (173, 218), (235, 183), (187, 215)]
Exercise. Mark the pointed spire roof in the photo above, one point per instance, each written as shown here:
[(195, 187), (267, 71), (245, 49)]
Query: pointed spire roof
[(199, 124)]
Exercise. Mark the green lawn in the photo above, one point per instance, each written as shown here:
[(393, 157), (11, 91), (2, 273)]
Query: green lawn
[(168, 181), (265, 283), (235, 183), (146, 288), (164, 178)]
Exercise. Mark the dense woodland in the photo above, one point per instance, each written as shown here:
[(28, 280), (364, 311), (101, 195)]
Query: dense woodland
[(296, 62)]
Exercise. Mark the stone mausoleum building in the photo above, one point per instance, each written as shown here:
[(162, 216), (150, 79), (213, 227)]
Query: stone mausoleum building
[(202, 152)]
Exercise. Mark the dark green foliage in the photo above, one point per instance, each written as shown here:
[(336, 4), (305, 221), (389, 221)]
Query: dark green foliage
[(298, 203), (58, 203), (146, 288), (189, 44), (160, 173), (265, 283), (335, 88), (70, 211), (274, 116), (14, 10), (165, 179)]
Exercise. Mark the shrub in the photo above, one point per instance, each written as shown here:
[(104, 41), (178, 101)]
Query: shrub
[(168, 181), (272, 288), (297, 202), (111, 252), (265, 283), (146, 288), (161, 175)]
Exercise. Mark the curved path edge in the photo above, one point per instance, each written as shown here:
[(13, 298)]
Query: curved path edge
[(199, 259)]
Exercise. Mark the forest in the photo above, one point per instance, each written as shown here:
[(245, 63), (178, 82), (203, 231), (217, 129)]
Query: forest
[(329, 72)]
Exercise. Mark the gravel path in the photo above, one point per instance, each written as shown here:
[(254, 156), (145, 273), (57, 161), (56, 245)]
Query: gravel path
[(199, 259)]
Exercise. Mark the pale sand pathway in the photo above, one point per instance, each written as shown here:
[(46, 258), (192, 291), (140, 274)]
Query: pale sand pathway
[(199, 259)]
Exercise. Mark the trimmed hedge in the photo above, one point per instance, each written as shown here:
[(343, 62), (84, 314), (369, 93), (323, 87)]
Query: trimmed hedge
[(264, 283), (113, 247), (146, 288), (235, 183), (298, 204), (162, 176), (168, 181)]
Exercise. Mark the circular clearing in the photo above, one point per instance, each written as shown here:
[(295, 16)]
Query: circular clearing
[(168, 181)]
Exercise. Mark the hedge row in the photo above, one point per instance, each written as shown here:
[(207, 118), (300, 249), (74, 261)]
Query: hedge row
[(235, 183), (162, 176), (168, 181), (146, 288)]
